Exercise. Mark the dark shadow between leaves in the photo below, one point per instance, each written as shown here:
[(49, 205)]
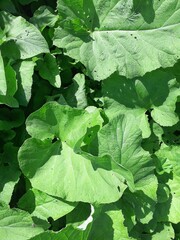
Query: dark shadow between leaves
[(79, 214), (102, 228), (57, 225), (10, 50), (143, 204), (145, 8), (138, 92)]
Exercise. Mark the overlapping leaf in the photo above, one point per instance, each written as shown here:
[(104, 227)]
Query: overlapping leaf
[(16, 224), (139, 95), (96, 159), (123, 36), (73, 176), (43, 206), (26, 40)]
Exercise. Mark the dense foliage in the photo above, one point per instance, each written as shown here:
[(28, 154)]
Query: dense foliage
[(89, 119)]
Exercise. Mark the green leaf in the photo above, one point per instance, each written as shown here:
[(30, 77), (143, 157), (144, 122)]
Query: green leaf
[(8, 75), (120, 36), (9, 101), (84, 177), (168, 157), (174, 212), (44, 17), (109, 224), (143, 201), (124, 145), (25, 71), (43, 206), (26, 37), (163, 231), (169, 211), (3, 84), (17, 224), (54, 120), (69, 233), (75, 94), (49, 70), (11, 80)]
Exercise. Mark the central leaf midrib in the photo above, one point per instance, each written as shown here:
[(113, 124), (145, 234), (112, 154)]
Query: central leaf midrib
[(136, 30)]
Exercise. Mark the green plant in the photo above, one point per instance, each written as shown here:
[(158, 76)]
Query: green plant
[(89, 120)]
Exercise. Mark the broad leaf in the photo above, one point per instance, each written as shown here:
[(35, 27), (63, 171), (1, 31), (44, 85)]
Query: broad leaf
[(27, 39), (56, 121), (69, 175), (16, 224), (123, 145), (121, 36)]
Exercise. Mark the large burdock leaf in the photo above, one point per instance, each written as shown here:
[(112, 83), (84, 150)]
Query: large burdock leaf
[(124, 145), (57, 170), (57, 121), (53, 153), (24, 36), (120, 35), (17, 224)]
